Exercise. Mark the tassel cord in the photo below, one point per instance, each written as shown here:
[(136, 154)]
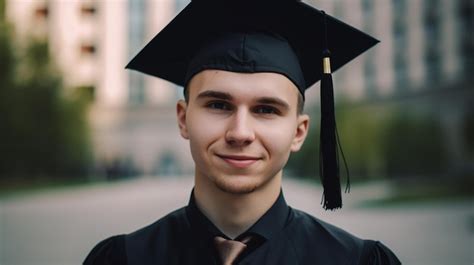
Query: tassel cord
[(348, 181)]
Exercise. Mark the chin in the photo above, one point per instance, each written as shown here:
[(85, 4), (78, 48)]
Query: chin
[(239, 185)]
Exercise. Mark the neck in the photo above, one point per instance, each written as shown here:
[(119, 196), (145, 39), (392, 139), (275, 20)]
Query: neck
[(234, 213)]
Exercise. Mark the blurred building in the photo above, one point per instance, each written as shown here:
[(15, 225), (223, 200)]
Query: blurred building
[(423, 64), (422, 42), (132, 115), (426, 45)]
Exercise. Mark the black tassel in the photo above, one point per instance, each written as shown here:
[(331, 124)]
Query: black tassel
[(328, 156), (329, 139)]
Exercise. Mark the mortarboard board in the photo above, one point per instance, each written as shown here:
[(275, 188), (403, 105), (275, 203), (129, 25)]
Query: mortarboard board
[(284, 36)]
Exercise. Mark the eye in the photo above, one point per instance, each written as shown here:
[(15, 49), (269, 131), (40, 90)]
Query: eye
[(266, 110), (218, 105)]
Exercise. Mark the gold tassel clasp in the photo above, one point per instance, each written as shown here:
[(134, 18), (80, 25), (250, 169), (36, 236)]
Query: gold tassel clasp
[(326, 65)]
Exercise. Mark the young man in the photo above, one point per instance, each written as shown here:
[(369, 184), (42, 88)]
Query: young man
[(245, 69)]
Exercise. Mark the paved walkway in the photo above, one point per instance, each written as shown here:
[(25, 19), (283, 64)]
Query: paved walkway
[(60, 227)]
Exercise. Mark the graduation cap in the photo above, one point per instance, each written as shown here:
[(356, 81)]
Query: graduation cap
[(283, 36)]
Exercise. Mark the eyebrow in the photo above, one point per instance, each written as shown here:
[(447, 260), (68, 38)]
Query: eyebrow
[(215, 94), (274, 101), (226, 96)]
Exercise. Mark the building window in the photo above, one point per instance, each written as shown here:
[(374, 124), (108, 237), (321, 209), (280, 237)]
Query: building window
[(136, 92), (369, 64), (432, 30), (401, 75), (368, 14), (465, 15), (88, 9), (136, 35), (87, 49), (369, 75), (42, 12), (400, 53)]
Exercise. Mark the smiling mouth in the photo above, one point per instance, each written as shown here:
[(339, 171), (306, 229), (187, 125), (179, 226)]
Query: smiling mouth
[(239, 161)]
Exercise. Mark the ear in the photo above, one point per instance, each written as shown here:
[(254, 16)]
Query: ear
[(301, 132), (181, 107)]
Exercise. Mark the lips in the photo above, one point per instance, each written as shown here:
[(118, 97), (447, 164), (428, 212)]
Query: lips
[(239, 161)]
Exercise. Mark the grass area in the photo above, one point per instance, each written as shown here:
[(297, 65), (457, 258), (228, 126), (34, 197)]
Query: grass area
[(412, 191), (23, 186), (419, 192)]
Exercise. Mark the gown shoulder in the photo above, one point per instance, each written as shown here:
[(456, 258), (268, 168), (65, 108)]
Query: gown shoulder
[(379, 254), (133, 248), (311, 234), (110, 251)]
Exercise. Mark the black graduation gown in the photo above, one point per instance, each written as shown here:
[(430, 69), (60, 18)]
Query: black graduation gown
[(282, 236)]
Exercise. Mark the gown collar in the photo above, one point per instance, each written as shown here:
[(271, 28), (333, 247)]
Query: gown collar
[(271, 223)]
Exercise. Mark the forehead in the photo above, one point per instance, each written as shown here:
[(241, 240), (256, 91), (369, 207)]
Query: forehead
[(244, 85)]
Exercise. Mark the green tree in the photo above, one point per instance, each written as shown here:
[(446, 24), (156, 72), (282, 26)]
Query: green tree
[(414, 146), (43, 131)]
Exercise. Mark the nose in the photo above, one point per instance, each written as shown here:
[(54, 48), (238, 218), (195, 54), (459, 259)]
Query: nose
[(240, 130)]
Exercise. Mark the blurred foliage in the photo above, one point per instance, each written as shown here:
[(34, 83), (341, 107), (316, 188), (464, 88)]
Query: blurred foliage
[(379, 142), (414, 146), (2, 10), (361, 134), (43, 130), (468, 130)]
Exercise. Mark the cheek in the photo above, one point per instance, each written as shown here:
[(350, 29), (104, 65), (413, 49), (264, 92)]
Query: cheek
[(278, 140), (202, 130)]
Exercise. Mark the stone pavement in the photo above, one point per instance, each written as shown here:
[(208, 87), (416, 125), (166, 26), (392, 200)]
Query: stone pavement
[(61, 226)]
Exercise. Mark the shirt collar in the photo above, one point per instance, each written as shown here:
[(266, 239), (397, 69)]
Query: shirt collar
[(201, 226), (272, 222)]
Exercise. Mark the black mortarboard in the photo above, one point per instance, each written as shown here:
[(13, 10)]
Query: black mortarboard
[(283, 36)]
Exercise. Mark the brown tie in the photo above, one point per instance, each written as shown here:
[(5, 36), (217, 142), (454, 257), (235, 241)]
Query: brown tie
[(229, 250)]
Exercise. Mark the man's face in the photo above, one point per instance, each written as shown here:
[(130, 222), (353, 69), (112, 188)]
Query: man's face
[(241, 127)]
